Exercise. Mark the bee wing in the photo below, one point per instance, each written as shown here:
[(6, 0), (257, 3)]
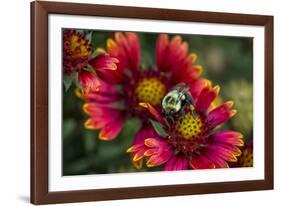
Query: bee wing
[(179, 86)]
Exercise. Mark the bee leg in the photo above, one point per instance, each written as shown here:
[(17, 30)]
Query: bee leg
[(192, 110), (189, 102), (169, 120), (182, 113)]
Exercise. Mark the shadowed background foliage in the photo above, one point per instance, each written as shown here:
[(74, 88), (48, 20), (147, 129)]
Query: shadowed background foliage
[(227, 61)]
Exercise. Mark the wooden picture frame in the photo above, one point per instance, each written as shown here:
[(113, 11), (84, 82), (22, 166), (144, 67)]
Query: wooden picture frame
[(40, 193)]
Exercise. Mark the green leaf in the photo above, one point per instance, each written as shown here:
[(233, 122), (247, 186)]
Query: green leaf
[(76, 81), (89, 68), (67, 81), (159, 128)]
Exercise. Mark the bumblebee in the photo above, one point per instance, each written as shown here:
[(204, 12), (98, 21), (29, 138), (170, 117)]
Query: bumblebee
[(176, 101)]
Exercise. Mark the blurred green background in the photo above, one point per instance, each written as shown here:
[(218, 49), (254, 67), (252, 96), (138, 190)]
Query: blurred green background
[(227, 61)]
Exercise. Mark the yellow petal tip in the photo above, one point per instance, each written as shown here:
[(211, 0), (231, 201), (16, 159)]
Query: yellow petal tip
[(85, 108), (233, 112), (217, 89), (143, 104), (129, 149)]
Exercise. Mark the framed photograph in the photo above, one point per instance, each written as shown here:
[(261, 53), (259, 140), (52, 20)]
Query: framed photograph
[(133, 102)]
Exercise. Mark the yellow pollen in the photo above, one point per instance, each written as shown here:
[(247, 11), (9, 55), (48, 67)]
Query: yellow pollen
[(189, 128), (150, 90)]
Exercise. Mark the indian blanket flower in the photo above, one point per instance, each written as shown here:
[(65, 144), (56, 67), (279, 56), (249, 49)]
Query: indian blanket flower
[(191, 142), (123, 89), (77, 52)]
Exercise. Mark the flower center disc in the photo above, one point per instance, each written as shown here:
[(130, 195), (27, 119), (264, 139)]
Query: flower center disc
[(190, 128), (150, 90), (79, 46), (246, 159)]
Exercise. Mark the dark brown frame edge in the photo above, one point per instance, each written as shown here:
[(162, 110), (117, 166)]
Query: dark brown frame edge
[(39, 102)]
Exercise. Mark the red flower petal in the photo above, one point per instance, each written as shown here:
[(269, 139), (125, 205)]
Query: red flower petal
[(108, 73), (186, 72), (232, 148), (170, 56), (138, 155), (176, 163), (154, 148), (197, 86), (161, 45), (95, 123), (109, 120), (206, 97), (126, 48), (150, 152), (152, 142), (201, 162), (162, 155), (220, 114), (99, 110), (159, 159), (115, 76), (134, 49), (112, 129), (88, 81), (144, 133), (192, 74), (134, 148), (139, 149), (229, 137), (98, 97), (157, 116), (223, 152), (105, 95), (212, 155), (103, 62)]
